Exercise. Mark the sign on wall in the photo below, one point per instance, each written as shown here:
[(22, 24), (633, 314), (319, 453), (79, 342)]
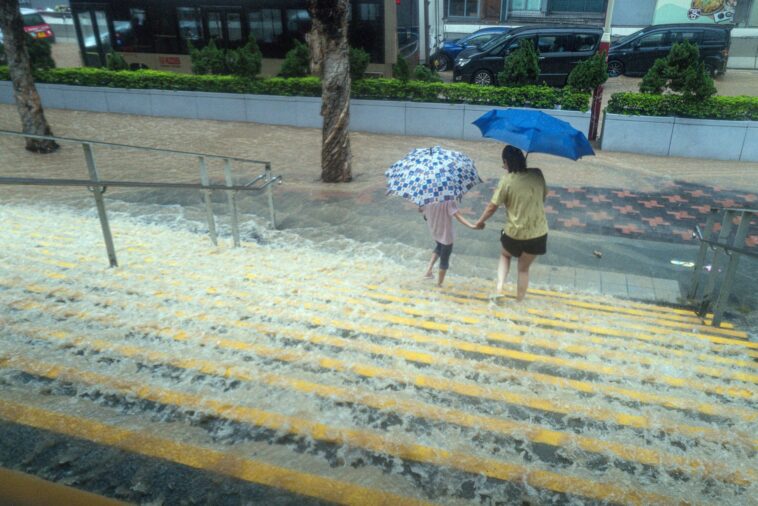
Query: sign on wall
[(698, 11)]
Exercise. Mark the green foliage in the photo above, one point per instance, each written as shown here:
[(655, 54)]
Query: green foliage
[(359, 60), (543, 97), (522, 66), (424, 73), (296, 61), (245, 61), (400, 70), (40, 54), (208, 60), (644, 104), (115, 61), (681, 71), (589, 74)]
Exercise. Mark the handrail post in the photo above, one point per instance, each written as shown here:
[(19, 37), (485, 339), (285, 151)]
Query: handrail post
[(208, 202), (232, 197), (98, 191), (700, 261), (270, 195), (710, 287), (734, 260)]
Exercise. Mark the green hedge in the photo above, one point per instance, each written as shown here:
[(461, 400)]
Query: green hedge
[(643, 104), (378, 89)]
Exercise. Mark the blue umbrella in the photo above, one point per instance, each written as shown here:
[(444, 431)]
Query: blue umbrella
[(427, 175), (534, 131)]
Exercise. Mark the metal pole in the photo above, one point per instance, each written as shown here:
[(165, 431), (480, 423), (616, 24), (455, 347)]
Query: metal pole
[(700, 261), (232, 197), (734, 260), (98, 191), (270, 195), (710, 287), (208, 202)]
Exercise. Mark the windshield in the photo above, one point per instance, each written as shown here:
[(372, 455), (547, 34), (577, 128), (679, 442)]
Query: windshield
[(33, 19), (494, 42), (624, 40)]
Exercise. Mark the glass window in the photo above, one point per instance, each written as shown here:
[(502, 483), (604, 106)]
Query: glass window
[(298, 23), (480, 40), (577, 5), (234, 26), (368, 12), (752, 19), (33, 19), (190, 24), (652, 40), (714, 36), (142, 39), (689, 36), (555, 43), (266, 24), (585, 41), (526, 5), (463, 8), (215, 28), (88, 32)]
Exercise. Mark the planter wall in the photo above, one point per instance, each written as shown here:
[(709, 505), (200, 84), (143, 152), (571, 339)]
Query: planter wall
[(374, 116), (687, 137)]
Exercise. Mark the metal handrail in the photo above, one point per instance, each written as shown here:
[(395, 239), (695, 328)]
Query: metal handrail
[(731, 247), (99, 186)]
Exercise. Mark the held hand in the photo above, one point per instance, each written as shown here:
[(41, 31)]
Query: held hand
[(479, 225)]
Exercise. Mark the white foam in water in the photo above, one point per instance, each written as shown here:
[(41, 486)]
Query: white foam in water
[(171, 278)]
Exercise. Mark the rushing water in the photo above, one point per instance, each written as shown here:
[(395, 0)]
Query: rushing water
[(380, 379)]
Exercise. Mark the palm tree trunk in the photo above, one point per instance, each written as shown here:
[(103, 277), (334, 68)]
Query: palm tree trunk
[(27, 99), (330, 17)]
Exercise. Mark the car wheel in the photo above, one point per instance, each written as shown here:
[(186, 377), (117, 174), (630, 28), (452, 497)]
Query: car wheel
[(711, 70), (441, 62), (615, 68), (483, 78)]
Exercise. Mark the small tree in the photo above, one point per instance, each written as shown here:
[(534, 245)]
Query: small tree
[(296, 61), (522, 66), (245, 61), (359, 60), (681, 71), (115, 61), (208, 60), (424, 73), (40, 54), (589, 74), (400, 69)]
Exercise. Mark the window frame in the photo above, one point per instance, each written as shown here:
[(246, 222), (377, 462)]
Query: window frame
[(465, 9)]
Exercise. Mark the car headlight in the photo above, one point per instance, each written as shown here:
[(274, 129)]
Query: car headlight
[(462, 62)]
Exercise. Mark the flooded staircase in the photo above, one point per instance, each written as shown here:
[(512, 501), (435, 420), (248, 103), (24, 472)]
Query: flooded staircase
[(288, 373)]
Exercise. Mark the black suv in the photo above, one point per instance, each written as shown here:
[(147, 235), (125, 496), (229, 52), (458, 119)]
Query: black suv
[(560, 49), (635, 54)]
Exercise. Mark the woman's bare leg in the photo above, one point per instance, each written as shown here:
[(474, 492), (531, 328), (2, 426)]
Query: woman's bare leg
[(524, 262), (431, 265), (503, 267)]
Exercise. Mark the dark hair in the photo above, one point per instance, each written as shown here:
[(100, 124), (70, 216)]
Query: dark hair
[(514, 158)]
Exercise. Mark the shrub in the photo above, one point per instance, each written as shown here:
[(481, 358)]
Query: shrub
[(400, 70), (424, 73), (40, 54), (208, 60), (245, 61), (589, 74), (359, 60), (115, 61), (296, 61), (645, 104), (522, 66), (681, 71)]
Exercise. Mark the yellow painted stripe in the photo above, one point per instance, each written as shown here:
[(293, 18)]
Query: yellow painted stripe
[(375, 442), (22, 489), (509, 428), (199, 457)]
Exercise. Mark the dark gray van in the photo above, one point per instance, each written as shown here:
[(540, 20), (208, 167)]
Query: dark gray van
[(635, 54), (560, 49)]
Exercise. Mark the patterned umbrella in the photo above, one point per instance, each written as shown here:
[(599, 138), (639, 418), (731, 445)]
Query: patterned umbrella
[(433, 174)]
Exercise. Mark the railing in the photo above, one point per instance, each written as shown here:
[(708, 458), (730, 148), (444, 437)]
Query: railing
[(727, 245), (98, 187)]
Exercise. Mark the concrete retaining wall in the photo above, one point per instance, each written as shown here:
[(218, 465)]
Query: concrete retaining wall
[(375, 116), (692, 138)]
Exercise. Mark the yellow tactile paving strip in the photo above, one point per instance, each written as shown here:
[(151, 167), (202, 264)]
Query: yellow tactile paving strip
[(311, 329)]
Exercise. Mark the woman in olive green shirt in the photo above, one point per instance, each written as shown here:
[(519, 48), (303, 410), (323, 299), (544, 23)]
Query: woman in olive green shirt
[(522, 191)]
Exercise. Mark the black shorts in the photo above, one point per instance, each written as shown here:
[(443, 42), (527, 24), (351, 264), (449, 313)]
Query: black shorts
[(443, 251), (536, 246)]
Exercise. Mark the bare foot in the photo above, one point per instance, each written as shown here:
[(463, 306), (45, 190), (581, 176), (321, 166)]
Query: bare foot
[(428, 275)]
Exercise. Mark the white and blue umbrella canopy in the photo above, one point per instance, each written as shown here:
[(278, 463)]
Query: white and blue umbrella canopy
[(435, 174)]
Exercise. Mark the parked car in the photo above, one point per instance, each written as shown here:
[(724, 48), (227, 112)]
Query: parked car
[(34, 25), (444, 56), (635, 54), (560, 48)]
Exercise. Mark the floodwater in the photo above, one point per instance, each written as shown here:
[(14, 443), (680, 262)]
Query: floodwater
[(309, 366)]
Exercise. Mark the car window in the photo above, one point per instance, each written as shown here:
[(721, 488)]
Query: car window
[(562, 43), (652, 40), (495, 42), (686, 36), (585, 41), (713, 36), (480, 40), (33, 19)]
